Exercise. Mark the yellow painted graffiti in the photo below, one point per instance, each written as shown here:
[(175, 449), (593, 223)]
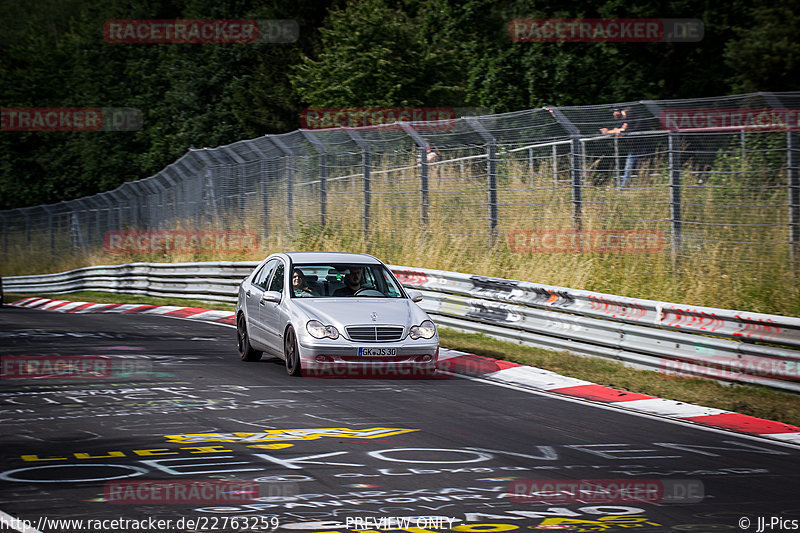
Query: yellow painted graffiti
[(288, 434)]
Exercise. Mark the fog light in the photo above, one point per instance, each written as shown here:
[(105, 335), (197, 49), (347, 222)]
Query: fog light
[(424, 358), (324, 359)]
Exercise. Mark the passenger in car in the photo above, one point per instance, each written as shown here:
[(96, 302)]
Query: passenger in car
[(300, 285)]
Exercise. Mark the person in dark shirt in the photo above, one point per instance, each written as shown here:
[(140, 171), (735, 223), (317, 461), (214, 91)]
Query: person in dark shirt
[(352, 282), (627, 122)]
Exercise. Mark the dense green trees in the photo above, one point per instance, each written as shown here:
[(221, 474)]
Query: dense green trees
[(357, 53)]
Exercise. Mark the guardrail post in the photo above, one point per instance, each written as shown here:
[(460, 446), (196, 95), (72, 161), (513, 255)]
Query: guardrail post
[(491, 174), (794, 197), (323, 174), (366, 162), (423, 171), (675, 195)]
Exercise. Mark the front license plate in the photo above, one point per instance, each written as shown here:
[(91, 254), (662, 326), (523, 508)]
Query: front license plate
[(377, 352)]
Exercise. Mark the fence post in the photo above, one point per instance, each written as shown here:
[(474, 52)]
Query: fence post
[(530, 166), (423, 171), (323, 173), (27, 227), (576, 165), (289, 169), (5, 234), (491, 171), (366, 159), (794, 197), (50, 228), (675, 194), (263, 187), (554, 149)]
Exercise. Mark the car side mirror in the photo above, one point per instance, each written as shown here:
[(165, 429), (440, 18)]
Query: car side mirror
[(415, 296), (271, 296)]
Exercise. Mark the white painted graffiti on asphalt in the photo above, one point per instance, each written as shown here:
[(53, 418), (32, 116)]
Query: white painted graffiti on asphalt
[(442, 458)]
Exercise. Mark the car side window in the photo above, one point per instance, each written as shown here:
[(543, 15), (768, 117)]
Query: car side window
[(263, 276), (277, 279)]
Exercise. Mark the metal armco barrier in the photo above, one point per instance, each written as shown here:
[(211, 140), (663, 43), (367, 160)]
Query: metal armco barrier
[(713, 343)]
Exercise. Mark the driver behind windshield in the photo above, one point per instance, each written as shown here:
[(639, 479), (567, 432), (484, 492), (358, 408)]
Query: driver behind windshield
[(352, 282)]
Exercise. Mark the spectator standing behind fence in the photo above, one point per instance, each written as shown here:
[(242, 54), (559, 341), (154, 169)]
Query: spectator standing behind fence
[(432, 156), (627, 122)]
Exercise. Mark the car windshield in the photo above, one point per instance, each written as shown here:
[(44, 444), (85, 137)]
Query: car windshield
[(343, 280)]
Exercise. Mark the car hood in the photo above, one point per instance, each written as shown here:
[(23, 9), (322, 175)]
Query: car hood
[(361, 311)]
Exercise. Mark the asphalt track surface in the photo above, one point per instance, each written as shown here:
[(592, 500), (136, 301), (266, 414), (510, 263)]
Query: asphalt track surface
[(175, 406)]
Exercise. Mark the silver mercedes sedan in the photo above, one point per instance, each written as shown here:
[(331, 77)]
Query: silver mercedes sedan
[(334, 315)]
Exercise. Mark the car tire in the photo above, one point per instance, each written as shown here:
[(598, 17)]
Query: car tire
[(291, 353), (246, 351)]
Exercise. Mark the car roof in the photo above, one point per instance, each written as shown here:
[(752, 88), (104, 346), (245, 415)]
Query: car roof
[(330, 257)]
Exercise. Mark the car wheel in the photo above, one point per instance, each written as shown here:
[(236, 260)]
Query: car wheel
[(246, 351), (291, 353)]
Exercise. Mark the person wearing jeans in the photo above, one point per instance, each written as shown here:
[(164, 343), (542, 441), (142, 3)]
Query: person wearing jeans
[(626, 123)]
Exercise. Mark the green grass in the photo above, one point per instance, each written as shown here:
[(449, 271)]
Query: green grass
[(756, 401)]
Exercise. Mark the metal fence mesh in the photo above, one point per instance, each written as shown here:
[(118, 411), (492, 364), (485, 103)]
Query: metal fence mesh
[(718, 193)]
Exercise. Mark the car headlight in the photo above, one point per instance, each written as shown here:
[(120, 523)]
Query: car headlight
[(426, 330), (318, 330)]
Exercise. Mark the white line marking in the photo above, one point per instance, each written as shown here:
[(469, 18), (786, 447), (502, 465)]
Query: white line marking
[(619, 406)]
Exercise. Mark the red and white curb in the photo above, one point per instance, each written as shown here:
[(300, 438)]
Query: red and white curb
[(527, 376), (493, 369), (62, 306)]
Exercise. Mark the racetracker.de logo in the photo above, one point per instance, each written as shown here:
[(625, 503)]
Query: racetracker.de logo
[(607, 490), (178, 241), (730, 119), (586, 241), (70, 119), (605, 30), (424, 118), (201, 31), (180, 492), (55, 367)]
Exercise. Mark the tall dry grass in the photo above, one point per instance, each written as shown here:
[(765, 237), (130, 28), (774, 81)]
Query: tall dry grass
[(719, 265)]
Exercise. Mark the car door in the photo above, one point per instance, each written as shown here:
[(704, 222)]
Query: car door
[(253, 297), (271, 312)]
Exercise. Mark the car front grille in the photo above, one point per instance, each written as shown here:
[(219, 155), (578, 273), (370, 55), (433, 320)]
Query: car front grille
[(375, 333)]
